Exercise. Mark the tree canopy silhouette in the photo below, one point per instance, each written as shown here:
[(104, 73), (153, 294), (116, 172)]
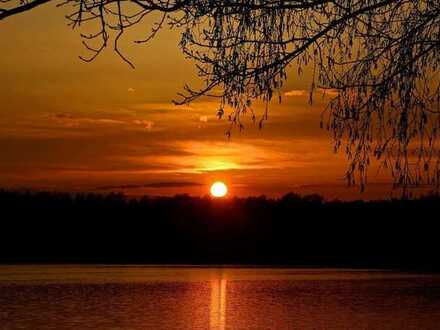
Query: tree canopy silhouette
[(380, 58), (296, 230)]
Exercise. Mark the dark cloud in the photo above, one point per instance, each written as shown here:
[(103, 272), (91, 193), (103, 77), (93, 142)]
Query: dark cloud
[(170, 184)]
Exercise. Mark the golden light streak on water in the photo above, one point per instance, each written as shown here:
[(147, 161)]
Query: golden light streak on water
[(218, 304)]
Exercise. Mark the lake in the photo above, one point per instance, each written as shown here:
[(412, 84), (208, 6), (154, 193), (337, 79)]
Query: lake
[(146, 297)]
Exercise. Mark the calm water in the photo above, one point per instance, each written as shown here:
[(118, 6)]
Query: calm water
[(132, 297)]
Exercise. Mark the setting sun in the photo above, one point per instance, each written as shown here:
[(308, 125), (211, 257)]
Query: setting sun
[(218, 189)]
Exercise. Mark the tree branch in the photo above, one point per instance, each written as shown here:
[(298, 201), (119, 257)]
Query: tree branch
[(20, 9)]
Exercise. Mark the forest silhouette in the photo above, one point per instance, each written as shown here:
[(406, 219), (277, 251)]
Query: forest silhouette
[(52, 227)]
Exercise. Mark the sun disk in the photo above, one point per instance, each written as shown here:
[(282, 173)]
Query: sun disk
[(219, 189)]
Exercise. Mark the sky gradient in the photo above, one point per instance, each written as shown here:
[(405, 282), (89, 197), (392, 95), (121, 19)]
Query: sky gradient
[(72, 126)]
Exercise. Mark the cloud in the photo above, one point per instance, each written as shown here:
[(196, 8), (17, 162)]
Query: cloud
[(330, 91), (196, 107), (159, 107), (70, 120), (131, 90), (171, 184), (210, 156), (302, 92), (147, 124), (146, 149), (166, 184), (295, 92)]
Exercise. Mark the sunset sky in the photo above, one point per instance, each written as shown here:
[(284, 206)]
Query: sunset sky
[(102, 126)]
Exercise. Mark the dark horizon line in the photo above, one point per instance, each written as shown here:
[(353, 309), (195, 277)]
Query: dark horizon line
[(353, 268), (294, 194)]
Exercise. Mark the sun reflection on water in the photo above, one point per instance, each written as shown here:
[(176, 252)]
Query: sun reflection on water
[(217, 312)]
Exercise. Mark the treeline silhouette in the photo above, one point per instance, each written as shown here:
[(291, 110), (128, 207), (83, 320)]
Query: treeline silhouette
[(292, 230)]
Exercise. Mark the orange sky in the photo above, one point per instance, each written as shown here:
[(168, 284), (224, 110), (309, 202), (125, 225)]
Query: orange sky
[(68, 125)]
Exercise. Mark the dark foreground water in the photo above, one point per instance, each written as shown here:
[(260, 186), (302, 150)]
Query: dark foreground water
[(135, 297)]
